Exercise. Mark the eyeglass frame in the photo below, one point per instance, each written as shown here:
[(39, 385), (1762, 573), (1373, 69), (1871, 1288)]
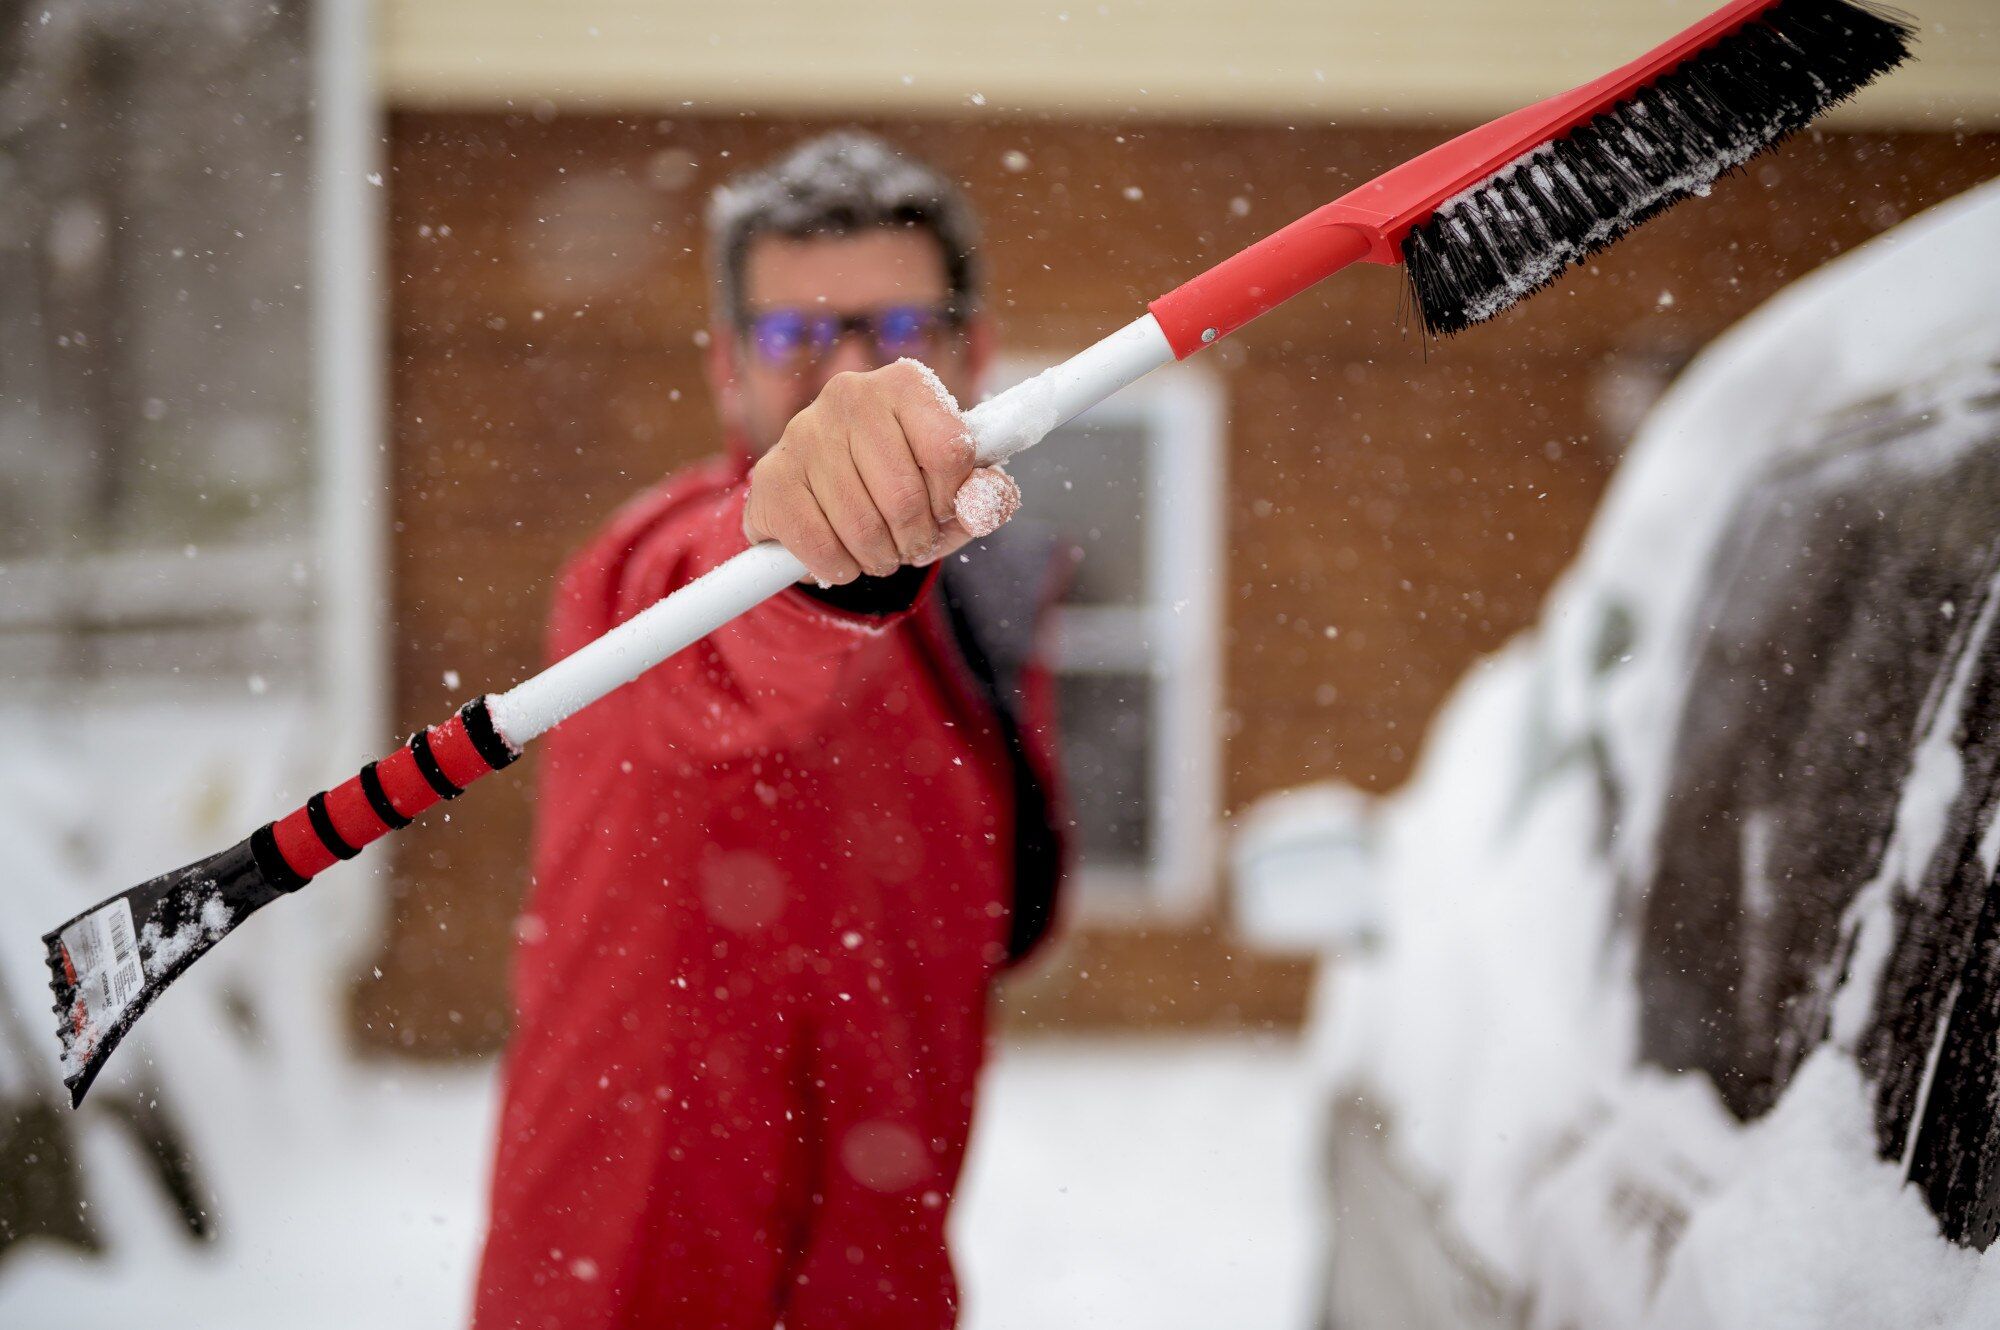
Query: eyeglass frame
[(948, 315)]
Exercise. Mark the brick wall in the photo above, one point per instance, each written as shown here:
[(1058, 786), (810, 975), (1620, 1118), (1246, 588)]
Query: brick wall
[(549, 292)]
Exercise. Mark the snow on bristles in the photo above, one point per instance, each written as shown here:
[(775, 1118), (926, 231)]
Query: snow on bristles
[(1511, 234)]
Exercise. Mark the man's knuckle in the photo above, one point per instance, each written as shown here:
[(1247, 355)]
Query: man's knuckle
[(907, 502), (945, 452), (797, 520), (868, 530), (774, 470), (873, 544), (845, 388), (820, 545)]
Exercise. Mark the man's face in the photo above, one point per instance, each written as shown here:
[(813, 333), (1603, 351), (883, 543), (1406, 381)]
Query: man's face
[(796, 292)]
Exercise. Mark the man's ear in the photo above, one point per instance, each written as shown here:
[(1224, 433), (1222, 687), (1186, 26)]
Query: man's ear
[(720, 363)]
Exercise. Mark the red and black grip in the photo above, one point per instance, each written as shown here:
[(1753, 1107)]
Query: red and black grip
[(437, 763)]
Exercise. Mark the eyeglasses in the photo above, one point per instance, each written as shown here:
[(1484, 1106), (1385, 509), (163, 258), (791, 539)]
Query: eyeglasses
[(794, 338)]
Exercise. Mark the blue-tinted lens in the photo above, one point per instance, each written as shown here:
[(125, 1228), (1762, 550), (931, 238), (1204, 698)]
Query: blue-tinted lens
[(785, 337), (780, 335), (902, 329)]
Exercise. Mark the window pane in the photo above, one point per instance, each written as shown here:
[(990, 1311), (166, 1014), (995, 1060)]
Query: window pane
[(1107, 760), (1089, 481), (155, 342)]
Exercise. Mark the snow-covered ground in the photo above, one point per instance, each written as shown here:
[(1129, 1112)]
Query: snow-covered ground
[(367, 1218), (1156, 1183), (1149, 1184), (1145, 1183)]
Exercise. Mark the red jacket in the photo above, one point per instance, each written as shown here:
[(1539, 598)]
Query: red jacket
[(774, 880)]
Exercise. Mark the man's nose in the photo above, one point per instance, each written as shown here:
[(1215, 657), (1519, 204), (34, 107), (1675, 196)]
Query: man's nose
[(854, 351)]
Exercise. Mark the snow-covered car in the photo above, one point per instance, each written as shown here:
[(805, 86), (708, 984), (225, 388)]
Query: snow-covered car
[(1687, 1011)]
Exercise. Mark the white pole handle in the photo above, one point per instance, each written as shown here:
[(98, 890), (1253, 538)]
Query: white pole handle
[(1010, 423)]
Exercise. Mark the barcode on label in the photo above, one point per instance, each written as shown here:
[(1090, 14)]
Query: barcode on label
[(104, 949)]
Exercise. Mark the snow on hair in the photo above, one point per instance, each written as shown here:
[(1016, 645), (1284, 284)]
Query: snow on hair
[(834, 185)]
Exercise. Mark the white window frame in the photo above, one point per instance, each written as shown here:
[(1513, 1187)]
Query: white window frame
[(343, 556), (350, 309), (1176, 638)]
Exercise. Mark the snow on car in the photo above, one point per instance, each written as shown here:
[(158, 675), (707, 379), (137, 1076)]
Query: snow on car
[(1686, 1011)]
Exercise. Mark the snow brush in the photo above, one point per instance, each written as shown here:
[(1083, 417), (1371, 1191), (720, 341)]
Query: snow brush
[(1480, 223)]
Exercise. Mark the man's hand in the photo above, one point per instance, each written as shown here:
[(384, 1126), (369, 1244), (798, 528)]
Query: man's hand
[(867, 479)]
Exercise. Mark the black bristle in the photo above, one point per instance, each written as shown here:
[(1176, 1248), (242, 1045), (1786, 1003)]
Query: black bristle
[(1502, 240)]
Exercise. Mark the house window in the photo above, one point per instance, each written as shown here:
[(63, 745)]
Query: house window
[(156, 493), (1135, 485)]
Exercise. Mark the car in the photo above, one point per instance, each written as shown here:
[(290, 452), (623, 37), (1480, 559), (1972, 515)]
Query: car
[(1686, 1006)]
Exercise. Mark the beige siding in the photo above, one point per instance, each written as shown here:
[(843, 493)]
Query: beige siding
[(1171, 58)]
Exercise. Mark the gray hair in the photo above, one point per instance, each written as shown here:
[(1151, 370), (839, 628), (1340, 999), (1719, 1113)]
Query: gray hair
[(835, 185)]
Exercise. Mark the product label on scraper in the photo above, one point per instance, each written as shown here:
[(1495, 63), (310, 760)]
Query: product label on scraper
[(104, 951)]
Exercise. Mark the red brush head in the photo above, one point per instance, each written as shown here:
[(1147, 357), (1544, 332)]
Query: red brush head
[(1499, 212), (1389, 205)]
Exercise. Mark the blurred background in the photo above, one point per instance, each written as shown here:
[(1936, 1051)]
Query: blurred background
[(328, 330)]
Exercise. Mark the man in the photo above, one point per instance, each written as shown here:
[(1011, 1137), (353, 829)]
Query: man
[(776, 876)]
